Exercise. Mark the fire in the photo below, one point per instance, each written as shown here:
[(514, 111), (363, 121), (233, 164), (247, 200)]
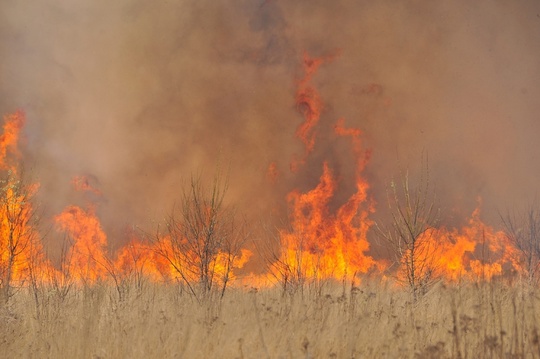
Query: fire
[(168, 264), (310, 105), (87, 258), (18, 246), (13, 124), (474, 252), (325, 238), (21, 251), (322, 243), (138, 259)]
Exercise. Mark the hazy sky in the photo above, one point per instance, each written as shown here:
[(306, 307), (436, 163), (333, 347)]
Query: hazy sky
[(138, 95)]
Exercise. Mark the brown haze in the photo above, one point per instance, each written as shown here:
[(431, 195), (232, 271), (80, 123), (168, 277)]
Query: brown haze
[(137, 95)]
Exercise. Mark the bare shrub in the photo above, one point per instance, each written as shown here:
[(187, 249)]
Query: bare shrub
[(522, 228), (19, 240), (286, 262), (203, 240), (411, 231)]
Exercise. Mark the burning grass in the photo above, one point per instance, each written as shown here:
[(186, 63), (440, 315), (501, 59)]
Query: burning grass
[(329, 320)]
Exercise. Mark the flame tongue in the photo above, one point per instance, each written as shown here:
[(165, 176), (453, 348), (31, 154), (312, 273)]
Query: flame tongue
[(474, 252), (310, 105), (322, 243), (13, 124), (325, 245), (21, 252), (87, 258)]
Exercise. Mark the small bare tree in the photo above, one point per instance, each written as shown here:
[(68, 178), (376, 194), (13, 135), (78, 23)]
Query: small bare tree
[(63, 279), (410, 234), (128, 269), (203, 240), (18, 236), (522, 228), (285, 262)]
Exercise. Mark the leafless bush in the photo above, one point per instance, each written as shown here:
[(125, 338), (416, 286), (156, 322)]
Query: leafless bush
[(203, 239), (522, 228), (19, 240), (128, 271), (409, 236), (284, 265), (291, 262)]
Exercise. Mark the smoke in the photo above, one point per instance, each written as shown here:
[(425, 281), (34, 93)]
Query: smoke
[(138, 95)]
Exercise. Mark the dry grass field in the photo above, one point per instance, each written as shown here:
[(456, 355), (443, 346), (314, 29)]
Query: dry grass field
[(490, 320)]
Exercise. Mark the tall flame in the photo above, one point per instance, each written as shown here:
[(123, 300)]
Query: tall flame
[(322, 243), (310, 105), (21, 251), (87, 257)]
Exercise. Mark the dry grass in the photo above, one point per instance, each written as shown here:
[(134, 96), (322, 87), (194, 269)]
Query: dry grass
[(328, 321)]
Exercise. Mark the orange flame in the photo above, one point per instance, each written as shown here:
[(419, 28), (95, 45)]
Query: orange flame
[(322, 244), (473, 252), (137, 259), (13, 124), (20, 248), (21, 251), (167, 264), (310, 105), (87, 258)]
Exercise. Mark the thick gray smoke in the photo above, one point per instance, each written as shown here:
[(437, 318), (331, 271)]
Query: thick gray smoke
[(138, 95)]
